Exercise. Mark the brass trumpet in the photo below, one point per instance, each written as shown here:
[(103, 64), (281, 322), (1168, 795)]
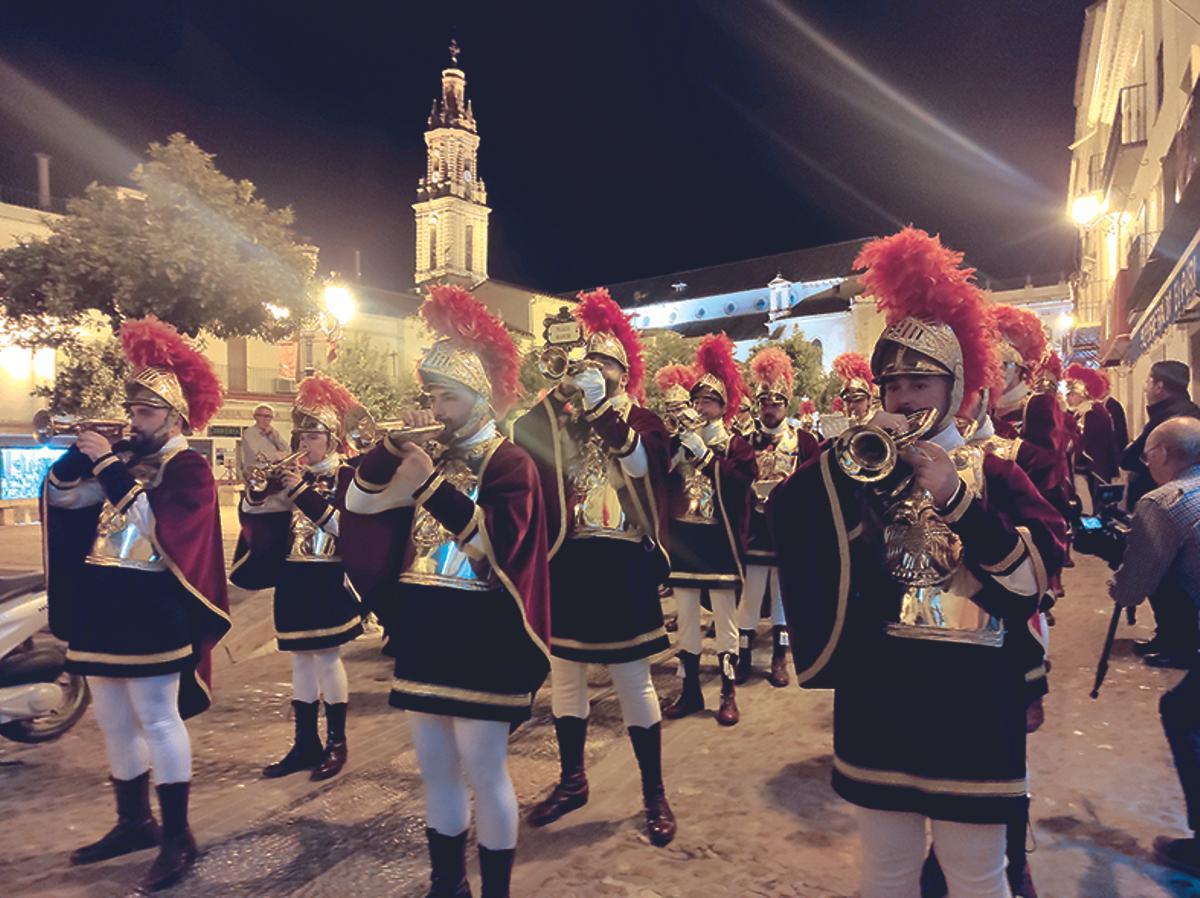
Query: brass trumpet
[(555, 363), (363, 431), (263, 474), (47, 425), (682, 420), (868, 453)]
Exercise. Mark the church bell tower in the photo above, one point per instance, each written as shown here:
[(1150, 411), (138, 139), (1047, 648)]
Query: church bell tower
[(451, 208)]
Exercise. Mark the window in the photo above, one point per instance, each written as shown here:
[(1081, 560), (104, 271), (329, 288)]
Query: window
[(1159, 79), (433, 247), (470, 248)]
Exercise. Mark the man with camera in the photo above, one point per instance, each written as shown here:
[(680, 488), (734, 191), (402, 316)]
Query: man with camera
[(1164, 551)]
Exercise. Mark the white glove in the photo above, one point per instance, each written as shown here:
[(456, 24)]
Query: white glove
[(593, 386), (693, 443)]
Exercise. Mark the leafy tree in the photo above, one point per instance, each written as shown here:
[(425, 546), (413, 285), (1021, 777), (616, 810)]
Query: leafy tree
[(90, 379), (661, 348), (190, 245), (811, 379), (367, 373)]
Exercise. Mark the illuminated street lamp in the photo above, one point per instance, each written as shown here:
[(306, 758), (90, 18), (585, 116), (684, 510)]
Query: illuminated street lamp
[(339, 306), (1087, 209)]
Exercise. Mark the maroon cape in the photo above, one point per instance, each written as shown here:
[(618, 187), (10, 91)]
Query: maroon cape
[(187, 534), (509, 515), (1095, 451)]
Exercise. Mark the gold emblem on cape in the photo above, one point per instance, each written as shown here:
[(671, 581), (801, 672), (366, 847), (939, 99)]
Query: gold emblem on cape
[(775, 464), (596, 508)]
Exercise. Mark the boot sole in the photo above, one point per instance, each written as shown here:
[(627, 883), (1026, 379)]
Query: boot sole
[(567, 808)]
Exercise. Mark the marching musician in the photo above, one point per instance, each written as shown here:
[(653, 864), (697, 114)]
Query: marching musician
[(779, 446), (474, 573), (603, 463), (136, 581), (1095, 445), (712, 471), (902, 597), (860, 398), (290, 540)]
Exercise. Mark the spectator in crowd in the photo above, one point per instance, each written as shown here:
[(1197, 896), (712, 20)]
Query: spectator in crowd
[(1164, 549), (262, 437), (1176, 636), (1166, 397)]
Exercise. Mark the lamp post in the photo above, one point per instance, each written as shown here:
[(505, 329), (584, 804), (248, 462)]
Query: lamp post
[(339, 306)]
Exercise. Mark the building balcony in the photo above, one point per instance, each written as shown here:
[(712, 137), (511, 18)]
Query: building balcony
[(1126, 140)]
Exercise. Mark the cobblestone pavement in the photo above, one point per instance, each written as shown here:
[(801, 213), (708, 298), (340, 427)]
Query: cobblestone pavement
[(756, 813)]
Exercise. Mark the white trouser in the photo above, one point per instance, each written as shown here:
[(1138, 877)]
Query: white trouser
[(631, 680), (971, 855), (455, 752), (724, 607), (317, 674), (139, 717), (758, 578)]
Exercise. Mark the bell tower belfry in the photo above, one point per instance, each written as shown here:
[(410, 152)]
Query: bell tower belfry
[(451, 208)]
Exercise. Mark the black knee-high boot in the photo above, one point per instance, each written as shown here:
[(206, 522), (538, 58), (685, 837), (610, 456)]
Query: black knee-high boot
[(495, 867), (647, 748), (745, 656), (178, 852), (571, 792), (305, 752), (690, 699), (334, 757), (135, 829), (447, 865)]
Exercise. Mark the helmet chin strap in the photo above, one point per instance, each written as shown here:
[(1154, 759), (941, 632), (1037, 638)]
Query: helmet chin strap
[(480, 412)]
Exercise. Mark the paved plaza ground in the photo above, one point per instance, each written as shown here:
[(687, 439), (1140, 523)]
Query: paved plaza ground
[(756, 813)]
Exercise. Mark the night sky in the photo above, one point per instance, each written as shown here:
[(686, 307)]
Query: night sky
[(619, 139)]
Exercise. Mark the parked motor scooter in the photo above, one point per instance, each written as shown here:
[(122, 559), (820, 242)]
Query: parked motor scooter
[(39, 699)]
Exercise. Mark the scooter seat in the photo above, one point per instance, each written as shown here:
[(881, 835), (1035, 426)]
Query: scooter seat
[(18, 583)]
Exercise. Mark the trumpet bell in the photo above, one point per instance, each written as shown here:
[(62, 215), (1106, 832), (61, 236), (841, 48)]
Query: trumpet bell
[(868, 453), (47, 426)]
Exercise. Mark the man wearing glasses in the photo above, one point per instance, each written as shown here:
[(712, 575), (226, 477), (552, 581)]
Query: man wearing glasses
[(1164, 553), (262, 438)]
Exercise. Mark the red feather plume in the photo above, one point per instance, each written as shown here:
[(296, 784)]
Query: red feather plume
[(807, 407), (1094, 382), (1053, 366), (675, 375), (456, 315), (319, 391), (912, 275), (150, 343), (1023, 329), (770, 364), (838, 405), (715, 356), (599, 312), (850, 365)]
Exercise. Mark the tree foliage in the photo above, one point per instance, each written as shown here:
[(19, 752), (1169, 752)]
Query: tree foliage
[(367, 373), (661, 348), (90, 379), (194, 247)]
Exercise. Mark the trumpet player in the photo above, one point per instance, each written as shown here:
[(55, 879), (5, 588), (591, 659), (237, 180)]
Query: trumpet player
[(603, 465), (906, 592), (779, 446), (712, 472), (291, 520), (860, 398), (136, 581), (468, 616)]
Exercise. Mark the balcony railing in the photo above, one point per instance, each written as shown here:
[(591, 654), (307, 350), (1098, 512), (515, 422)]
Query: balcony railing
[(257, 379), (27, 198), (1139, 253), (1128, 129)]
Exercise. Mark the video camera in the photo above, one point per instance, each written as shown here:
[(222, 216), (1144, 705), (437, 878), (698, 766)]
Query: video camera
[(1105, 533)]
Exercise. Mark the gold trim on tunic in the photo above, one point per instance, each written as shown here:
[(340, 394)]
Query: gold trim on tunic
[(457, 694), (147, 660), (313, 634), (1017, 788), (641, 639)]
